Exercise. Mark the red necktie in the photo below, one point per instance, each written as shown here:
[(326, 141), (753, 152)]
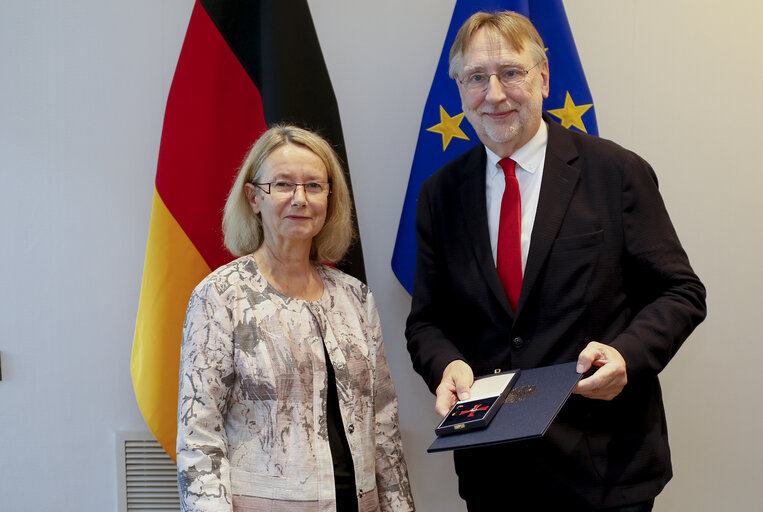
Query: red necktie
[(509, 256)]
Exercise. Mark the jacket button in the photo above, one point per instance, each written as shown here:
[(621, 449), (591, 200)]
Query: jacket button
[(351, 429), (517, 342)]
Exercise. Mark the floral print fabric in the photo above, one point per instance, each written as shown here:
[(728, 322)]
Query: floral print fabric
[(252, 402)]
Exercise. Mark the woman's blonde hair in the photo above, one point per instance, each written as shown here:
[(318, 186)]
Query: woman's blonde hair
[(243, 228)]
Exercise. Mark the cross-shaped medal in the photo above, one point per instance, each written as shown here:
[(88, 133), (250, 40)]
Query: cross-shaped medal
[(476, 408)]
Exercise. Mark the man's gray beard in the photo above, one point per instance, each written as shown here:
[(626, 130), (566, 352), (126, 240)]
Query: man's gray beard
[(504, 137)]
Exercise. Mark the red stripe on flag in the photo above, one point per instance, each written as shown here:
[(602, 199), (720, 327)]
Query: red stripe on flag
[(214, 114)]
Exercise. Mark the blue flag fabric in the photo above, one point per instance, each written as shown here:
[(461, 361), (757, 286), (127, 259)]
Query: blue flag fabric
[(445, 133)]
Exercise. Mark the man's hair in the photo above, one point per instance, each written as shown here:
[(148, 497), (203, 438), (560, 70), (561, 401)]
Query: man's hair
[(517, 30), (243, 228)]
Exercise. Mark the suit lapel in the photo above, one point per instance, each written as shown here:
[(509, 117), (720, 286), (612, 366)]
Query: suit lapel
[(557, 187), (474, 211)]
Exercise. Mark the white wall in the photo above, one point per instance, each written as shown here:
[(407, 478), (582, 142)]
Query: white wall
[(82, 92)]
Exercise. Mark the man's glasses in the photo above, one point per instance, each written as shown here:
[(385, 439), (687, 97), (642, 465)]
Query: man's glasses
[(478, 81), (288, 188)]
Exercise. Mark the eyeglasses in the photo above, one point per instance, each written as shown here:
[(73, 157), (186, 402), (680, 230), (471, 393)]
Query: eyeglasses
[(478, 81), (288, 188)]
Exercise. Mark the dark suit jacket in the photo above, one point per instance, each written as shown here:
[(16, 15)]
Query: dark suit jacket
[(605, 265)]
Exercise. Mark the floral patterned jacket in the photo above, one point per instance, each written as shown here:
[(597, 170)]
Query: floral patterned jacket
[(252, 431)]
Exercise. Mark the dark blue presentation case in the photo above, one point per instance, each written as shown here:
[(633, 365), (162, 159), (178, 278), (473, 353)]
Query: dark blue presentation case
[(528, 410)]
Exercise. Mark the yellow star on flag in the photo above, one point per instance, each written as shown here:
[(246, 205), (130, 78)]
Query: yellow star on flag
[(448, 127), (571, 114)]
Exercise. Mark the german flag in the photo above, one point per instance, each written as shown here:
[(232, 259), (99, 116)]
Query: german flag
[(243, 66)]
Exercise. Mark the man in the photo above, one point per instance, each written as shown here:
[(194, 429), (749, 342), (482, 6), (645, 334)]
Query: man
[(592, 272)]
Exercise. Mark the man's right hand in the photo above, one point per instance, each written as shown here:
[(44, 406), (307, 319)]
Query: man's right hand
[(457, 380)]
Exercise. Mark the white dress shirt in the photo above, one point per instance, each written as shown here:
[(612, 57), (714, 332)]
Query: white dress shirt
[(529, 171)]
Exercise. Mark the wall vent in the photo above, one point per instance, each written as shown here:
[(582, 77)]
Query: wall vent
[(147, 475)]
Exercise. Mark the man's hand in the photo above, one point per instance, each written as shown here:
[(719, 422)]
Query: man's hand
[(457, 380), (609, 380)]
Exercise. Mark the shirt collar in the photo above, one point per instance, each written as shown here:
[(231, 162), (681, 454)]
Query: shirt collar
[(529, 157)]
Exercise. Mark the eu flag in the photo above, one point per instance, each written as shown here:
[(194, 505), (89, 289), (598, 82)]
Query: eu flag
[(444, 133)]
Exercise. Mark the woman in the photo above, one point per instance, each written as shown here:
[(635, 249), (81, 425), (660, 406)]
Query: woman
[(286, 401)]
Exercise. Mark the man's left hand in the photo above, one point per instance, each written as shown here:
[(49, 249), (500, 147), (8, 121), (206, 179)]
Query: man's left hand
[(609, 380)]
